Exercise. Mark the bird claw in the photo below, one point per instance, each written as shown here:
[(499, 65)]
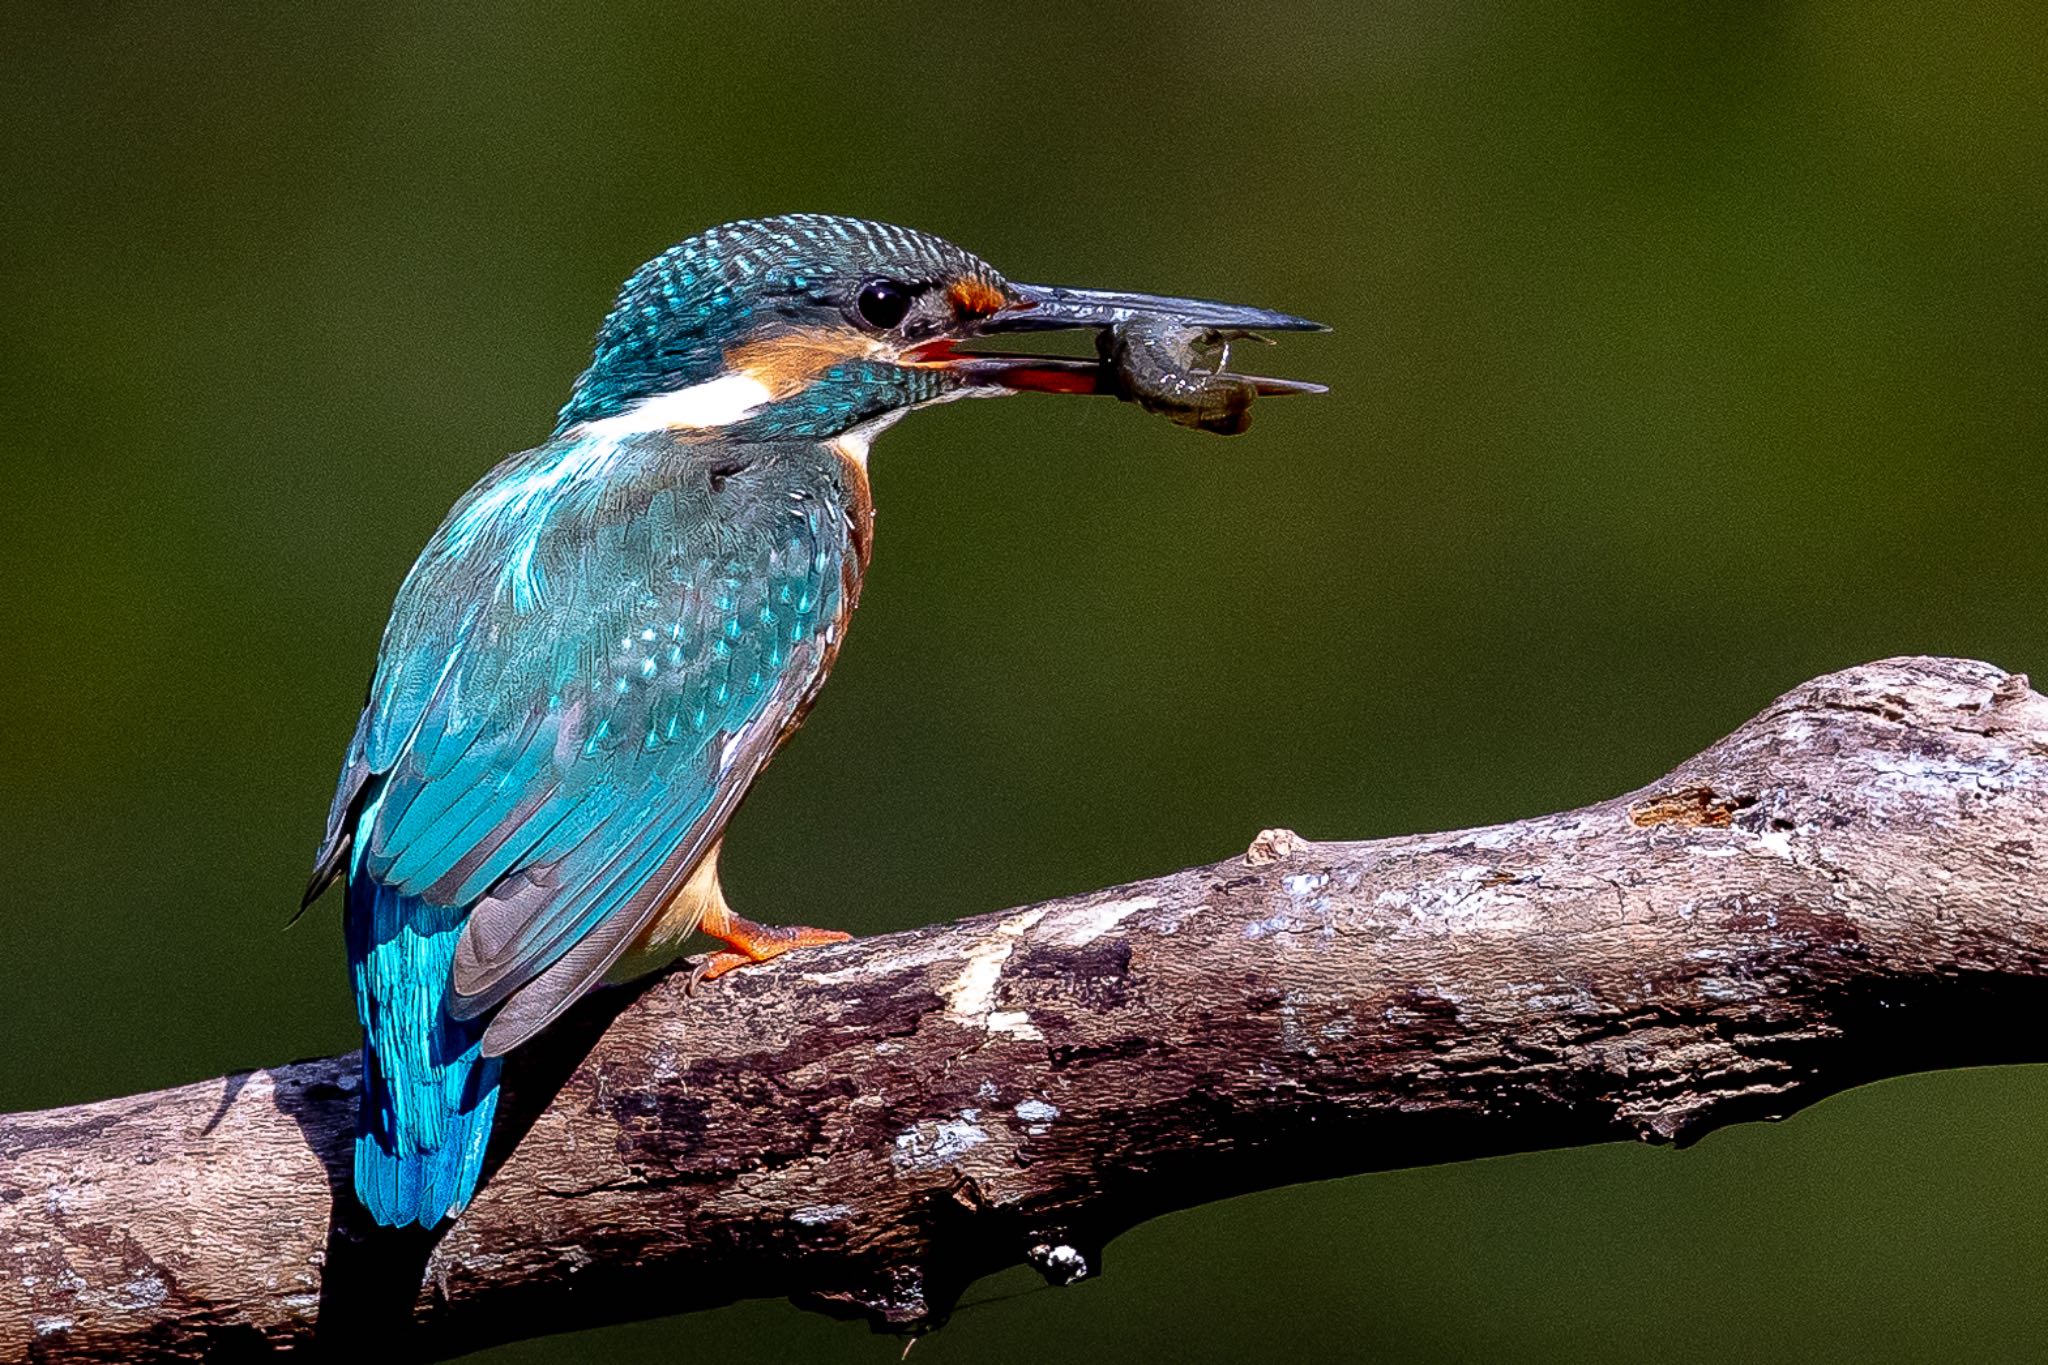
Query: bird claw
[(711, 966), (756, 943)]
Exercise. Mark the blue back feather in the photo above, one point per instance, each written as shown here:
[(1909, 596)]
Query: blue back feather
[(593, 657)]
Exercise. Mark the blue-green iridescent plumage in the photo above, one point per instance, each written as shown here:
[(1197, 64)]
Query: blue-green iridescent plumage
[(596, 652), (598, 649)]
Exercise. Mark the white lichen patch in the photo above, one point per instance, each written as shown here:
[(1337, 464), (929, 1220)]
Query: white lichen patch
[(821, 1215), (1280, 922), (146, 1290), (935, 1145), (1037, 1114), (1305, 883), (1777, 842), (1294, 1035)]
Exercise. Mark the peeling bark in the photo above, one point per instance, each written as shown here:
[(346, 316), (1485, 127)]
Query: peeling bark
[(1851, 886)]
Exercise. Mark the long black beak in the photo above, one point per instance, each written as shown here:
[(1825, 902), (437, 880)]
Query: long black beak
[(1055, 308), (1051, 307)]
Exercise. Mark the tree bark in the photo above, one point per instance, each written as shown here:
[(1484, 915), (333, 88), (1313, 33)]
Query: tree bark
[(1851, 886)]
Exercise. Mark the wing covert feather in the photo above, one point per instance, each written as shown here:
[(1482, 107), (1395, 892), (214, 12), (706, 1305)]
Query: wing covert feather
[(577, 688)]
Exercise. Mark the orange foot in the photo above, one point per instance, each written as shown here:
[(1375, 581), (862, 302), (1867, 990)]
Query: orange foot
[(752, 943)]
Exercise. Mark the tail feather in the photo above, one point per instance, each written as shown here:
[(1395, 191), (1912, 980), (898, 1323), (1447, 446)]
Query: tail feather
[(428, 1092)]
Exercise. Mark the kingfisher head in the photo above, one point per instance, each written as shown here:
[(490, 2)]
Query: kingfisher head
[(811, 326)]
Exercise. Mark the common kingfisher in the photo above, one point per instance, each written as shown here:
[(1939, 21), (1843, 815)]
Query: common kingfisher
[(610, 635)]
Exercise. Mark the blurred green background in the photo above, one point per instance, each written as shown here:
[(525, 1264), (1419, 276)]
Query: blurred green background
[(1681, 354)]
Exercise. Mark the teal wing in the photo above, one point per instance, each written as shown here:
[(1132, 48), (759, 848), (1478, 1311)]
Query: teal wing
[(580, 680)]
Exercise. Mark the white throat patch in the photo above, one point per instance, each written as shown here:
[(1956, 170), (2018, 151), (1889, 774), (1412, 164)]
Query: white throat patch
[(714, 403), (855, 443)]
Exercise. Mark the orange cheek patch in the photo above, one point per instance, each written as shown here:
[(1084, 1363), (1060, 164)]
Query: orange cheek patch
[(788, 363), (976, 298)]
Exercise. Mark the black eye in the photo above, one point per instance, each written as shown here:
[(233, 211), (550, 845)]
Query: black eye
[(884, 303)]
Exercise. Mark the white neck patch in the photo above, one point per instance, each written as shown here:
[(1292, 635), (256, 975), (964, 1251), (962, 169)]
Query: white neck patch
[(723, 402), (719, 402)]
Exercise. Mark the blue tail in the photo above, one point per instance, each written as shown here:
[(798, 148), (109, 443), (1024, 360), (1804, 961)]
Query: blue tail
[(428, 1092)]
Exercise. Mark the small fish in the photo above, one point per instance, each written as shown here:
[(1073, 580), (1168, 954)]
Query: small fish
[(1179, 372)]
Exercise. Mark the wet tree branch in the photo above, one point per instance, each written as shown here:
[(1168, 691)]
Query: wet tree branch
[(1853, 885)]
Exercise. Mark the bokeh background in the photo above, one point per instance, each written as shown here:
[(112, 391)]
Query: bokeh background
[(1682, 353)]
